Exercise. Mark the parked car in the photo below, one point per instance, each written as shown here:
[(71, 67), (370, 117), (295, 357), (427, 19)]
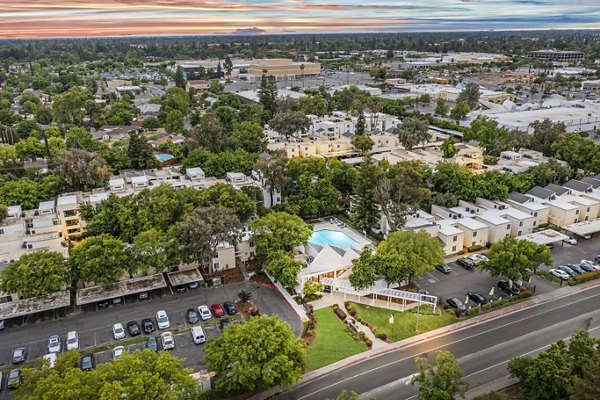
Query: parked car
[(506, 287), (152, 344), (86, 362), (192, 316), (148, 325), (443, 268), (205, 313), (193, 285), (19, 355), (591, 266), (456, 304), (597, 259), (560, 274), (180, 289), (118, 352), (51, 358), (224, 323), (570, 241), (587, 267), (118, 331), (133, 328), (54, 345), (217, 310), (198, 335), (162, 320), (568, 270), (230, 308), (103, 303), (15, 379), (577, 268), (143, 296), (2, 324), (466, 263), (72, 340), (477, 298), (168, 341)]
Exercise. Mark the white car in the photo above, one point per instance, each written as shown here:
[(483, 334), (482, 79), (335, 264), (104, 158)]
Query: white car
[(571, 241), (560, 274), (72, 341), (118, 331), (162, 320), (54, 344), (168, 341), (118, 352), (205, 313), (51, 359)]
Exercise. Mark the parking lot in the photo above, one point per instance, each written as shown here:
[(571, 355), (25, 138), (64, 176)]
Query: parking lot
[(95, 325)]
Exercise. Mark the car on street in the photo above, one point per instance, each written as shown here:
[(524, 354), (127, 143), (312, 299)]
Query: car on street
[(133, 328), (230, 308), (217, 310), (568, 270), (118, 331), (168, 341), (443, 268), (456, 304), (466, 263), (72, 340), (570, 241), (507, 288), (86, 362), (477, 298), (192, 316), (152, 343), (162, 320), (19, 355), (15, 378), (54, 344), (560, 274), (205, 313), (148, 325), (577, 268), (117, 352)]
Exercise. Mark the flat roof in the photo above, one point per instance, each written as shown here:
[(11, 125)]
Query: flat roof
[(24, 307), (93, 294), (556, 114), (547, 236), (584, 228), (472, 224), (179, 278), (66, 200)]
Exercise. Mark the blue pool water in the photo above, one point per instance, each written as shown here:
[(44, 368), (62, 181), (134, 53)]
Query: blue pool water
[(164, 157), (335, 238)]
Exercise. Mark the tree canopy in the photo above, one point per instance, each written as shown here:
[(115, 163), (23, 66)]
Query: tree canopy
[(35, 274)]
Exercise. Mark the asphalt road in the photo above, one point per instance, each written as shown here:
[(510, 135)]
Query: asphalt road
[(482, 350)]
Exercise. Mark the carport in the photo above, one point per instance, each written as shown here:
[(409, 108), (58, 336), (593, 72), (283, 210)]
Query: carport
[(120, 289), (26, 307), (180, 278), (547, 237), (584, 229)]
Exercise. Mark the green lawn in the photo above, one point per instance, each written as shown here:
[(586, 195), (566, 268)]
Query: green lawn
[(332, 342), (404, 322)]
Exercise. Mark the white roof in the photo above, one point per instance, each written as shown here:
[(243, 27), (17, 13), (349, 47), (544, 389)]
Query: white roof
[(139, 179), (562, 204), (14, 210), (116, 182), (472, 224), (548, 236), (98, 197), (493, 219), (194, 171), (46, 205), (449, 230), (66, 200), (330, 259), (586, 201)]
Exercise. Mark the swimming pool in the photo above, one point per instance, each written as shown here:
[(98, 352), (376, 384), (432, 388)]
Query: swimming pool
[(335, 238), (164, 157)]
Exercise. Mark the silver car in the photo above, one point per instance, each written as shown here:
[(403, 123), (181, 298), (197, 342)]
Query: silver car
[(168, 341), (54, 344)]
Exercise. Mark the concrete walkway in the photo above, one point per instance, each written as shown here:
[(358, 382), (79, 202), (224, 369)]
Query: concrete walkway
[(329, 299), (377, 343)]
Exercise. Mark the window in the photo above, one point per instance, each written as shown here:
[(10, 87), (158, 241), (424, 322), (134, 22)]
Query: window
[(475, 234), (535, 214), (588, 209), (576, 212), (534, 223), (521, 223), (251, 243), (216, 255), (251, 254), (1, 231), (70, 213), (216, 266), (453, 248), (473, 243), (575, 221), (454, 238), (508, 226), (519, 233), (587, 217)]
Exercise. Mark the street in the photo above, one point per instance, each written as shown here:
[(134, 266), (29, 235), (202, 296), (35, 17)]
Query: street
[(482, 350)]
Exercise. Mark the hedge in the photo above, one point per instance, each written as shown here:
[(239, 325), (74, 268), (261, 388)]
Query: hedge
[(498, 303), (340, 313), (477, 247), (549, 276), (588, 276)]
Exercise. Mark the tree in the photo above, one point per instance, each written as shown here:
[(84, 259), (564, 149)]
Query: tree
[(365, 204), (364, 270), (516, 259), (406, 254), (267, 353), (271, 169), (30, 149), (174, 121), (490, 135), (207, 227), (314, 104), (545, 133), (79, 138), (180, 81), (43, 115), (289, 122), (209, 133), (441, 107), (278, 231), (3, 212), (444, 381), (267, 93), (140, 152), (224, 195), (150, 123), (283, 268), (362, 143), (228, 65), (35, 274), (311, 288), (142, 374), (460, 111), (228, 118), (81, 170), (580, 153), (448, 147), (470, 94), (359, 128), (175, 98), (549, 172), (250, 137), (154, 249), (68, 108), (413, 132), (100, 259), (587, 387)]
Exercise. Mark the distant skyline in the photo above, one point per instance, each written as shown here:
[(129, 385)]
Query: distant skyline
[(77, 18)]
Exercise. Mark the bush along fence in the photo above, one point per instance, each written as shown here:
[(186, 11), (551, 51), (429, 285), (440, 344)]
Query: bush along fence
[(498, 303), (351, 328), (576, 280)]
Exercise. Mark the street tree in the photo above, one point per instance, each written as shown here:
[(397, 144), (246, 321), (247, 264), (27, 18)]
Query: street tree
[(35, 274), (460, 111), (266, 354), (250, 137), (442, 381), (587, 387), (365, 204), (516, 259), (470, 94), (448, 147), (364, 270), (545, 133), (412, 132), (278, 231), (271, 169), (441, 107), (289, 122), (282, 266)]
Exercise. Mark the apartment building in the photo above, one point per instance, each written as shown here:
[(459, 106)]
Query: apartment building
[(67, 210), (557, 56)]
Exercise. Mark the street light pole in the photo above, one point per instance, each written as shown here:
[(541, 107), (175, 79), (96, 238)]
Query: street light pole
[(418, 311)]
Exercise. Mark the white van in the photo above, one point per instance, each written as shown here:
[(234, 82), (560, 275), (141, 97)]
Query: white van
[(198, 335)]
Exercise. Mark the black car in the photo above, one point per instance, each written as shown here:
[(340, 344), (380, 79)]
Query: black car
[(103, 303), (506, 288), (148, 325), (576, 268), (466, 263), (477, 298), (587, 267), (230, 308), (152, 343), (597, 259), (86, 362), (443, 268), (19, 355), (223, 323), (133, 328), (15, 378), (192, 316), (456, 304)]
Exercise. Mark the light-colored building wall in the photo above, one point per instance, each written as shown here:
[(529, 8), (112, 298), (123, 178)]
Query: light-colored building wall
[(284, 67), (539, 212), (563, 213), (498, 227), (475, 233), (225, 257), (67, 209), (452, 239)]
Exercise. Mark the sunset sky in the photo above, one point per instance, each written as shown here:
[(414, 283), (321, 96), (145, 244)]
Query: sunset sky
[(70, 18)]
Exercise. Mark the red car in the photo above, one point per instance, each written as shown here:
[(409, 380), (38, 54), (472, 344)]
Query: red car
[(217, 310)]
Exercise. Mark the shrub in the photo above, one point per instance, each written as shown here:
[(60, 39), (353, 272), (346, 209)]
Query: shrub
[(348, 305), (363, 336), (335, 306), (473, 311), (549, 276), (340, 313), (369, 342), (352, 312), (382, 336), (475, 248), (589, 276), (460, 253)]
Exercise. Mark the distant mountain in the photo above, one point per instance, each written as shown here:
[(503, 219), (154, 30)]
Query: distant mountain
[(249, 31)]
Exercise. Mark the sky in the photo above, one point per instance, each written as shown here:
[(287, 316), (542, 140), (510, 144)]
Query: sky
[(76, 18)]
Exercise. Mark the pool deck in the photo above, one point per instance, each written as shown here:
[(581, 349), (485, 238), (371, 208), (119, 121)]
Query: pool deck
[(361, 240)]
